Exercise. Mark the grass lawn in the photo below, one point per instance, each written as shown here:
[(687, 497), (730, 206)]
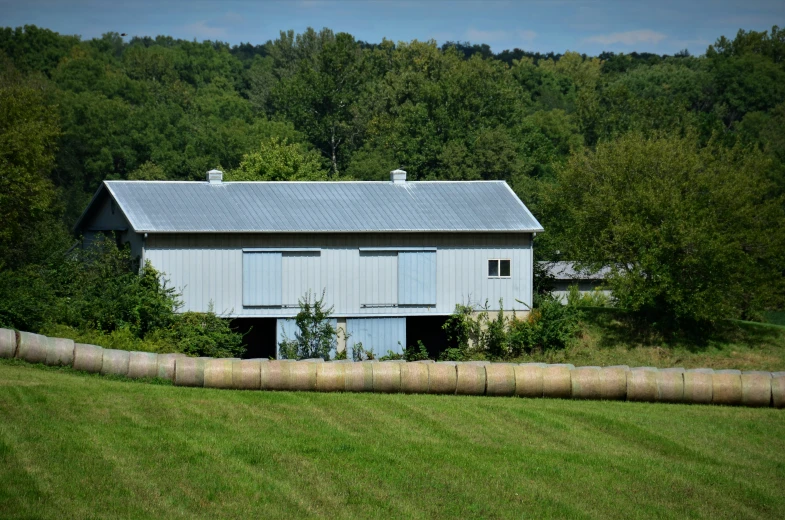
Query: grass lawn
[(609, 338), (85, 446)]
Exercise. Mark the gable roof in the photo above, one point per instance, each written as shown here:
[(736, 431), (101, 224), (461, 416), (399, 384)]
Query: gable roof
[(327, 207), (568, 271)]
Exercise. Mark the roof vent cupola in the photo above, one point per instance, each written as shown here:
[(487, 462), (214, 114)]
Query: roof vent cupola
[(215, 176), (398, 176)]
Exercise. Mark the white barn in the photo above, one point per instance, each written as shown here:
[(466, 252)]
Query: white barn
[(393, 258)]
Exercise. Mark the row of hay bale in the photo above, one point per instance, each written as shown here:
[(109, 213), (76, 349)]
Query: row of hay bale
[(671, 385)]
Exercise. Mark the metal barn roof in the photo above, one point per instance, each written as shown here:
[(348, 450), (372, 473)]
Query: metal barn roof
[(567, 271), (277, 207)]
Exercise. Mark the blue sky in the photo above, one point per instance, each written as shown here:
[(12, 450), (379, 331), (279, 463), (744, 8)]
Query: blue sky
[(590, 26)]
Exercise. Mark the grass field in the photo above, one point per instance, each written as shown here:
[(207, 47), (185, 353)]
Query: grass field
[(85, 446), (608, 338)]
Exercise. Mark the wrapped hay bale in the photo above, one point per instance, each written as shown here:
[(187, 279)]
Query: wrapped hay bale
[(247, 374), (115, 362), (755, 388), (359, 376), (670, 385), (414, 378), (726, 387), (331, 377), (165, 365), (189, 371), (88, 357), (218, 373), (528, 379), (32, 347), (642, 384), (142, 364), (556, 380), (585, 383), (302, 376), (276, 374), (7, 343), (500, 379), (778, 389), (60, 352), (698, 385), (471, 379), (613, 382), (442, 377), (387, 377)]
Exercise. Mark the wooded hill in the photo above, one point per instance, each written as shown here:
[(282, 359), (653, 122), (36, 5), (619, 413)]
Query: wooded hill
[(671, 168)]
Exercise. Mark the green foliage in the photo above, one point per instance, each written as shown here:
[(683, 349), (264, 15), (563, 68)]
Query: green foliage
[(278, 160), (202, 334), (416, 352), (315, 337), (690, 234), (595, 298), (549, 326)]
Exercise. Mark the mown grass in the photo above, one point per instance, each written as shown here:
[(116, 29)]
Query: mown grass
[(80, 446), (610, 337)]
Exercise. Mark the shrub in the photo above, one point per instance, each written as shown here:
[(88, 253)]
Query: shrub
[(595, 298), (416, 352), (203, 334), (316, 337), (550, 325)]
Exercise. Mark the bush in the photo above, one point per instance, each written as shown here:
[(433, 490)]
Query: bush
[(202, 334), (416, 352), (550, 325), (595, 298), (316, 337)]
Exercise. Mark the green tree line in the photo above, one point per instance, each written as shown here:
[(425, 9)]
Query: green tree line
[(670, 169)]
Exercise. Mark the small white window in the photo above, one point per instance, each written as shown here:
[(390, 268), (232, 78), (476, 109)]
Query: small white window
[(499, 268)]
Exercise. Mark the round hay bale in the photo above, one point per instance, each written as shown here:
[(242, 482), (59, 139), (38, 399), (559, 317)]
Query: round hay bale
[(165, 365), (247, 374), (359, 376), (613, 382), (218, 373), (7, 343), (670, 385), (88, 357), (189, 371), (528, 379), (414, 378), (726, 387), (500, 379), (424, 361), (142, 364), (556, 380), (302, 376), (585, 383), (115, 362), (32, 347), (330, 377), (642, 384), (698, 385), (471, 379), (778, 389), (314, 360), (442, 377), (60, 352), (386, 377), (276, 374), (755, 388)]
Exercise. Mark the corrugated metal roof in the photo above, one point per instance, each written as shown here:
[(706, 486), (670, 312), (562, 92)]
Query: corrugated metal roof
[(277, 207), (567, 271)]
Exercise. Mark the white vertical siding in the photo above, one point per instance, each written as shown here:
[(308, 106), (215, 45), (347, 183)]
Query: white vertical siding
[(209, 268)]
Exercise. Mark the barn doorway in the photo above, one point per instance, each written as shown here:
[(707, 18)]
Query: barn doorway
[(258, 336), (427, 329)]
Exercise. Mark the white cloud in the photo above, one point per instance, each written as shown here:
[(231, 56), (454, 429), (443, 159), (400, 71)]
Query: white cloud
[(202, 31), (628, 38), (479, 36), (526, 36)]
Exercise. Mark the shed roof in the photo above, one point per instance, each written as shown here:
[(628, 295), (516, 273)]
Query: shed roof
[(331, 207), (568, 271)]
